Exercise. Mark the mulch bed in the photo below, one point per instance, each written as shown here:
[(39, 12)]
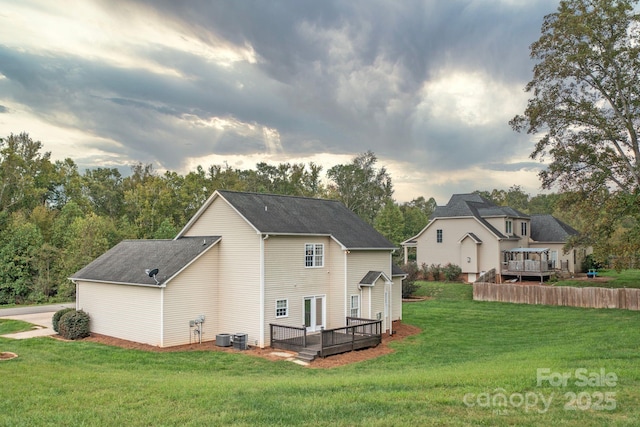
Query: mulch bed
[(7, 355), (401, 331)]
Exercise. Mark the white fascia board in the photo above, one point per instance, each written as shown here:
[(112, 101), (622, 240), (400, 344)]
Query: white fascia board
[(110, 282)]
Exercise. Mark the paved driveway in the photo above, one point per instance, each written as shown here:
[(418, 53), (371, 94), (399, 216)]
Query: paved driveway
[(39, 315)]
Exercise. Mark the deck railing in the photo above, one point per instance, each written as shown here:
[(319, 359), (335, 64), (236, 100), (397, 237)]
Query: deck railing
[(288, 337), (529, 265), (359, 333)]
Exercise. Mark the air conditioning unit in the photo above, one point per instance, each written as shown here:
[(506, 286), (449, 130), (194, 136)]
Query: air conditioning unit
[(223, 340), (240, 341)]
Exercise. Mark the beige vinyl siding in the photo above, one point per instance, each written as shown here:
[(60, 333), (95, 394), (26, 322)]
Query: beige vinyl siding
[(192, 293), (450, 250), (366, 308), (122, 311), (335, 309), (360, 263), (238, 264), (396, 303), (286, 277)]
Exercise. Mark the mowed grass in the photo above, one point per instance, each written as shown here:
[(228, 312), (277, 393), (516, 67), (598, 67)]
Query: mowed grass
[(10, 326), (468, 355), (620, 279)]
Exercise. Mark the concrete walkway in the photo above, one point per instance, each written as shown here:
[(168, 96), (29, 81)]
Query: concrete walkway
[(38, 315)]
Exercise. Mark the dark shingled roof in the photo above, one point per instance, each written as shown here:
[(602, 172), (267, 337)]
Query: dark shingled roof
[(397, 271), (474, 205), (371, 277), (547, 228), (126, 262), (276, 214)]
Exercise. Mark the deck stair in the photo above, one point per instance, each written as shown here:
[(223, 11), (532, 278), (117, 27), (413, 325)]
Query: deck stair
[(307, 354)]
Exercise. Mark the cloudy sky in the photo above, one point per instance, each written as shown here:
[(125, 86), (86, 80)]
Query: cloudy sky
[(429, 86)]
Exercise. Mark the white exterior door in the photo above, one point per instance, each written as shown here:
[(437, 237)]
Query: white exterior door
[(314, 313)]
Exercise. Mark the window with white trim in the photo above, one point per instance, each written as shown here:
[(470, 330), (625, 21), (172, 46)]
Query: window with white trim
[(508, 228), (282, 308), (314, 255), (523, 229), (355, 306), (439, 236)]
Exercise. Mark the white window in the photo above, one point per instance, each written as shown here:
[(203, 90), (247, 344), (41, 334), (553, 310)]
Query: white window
[(355, 306), (523, 229), (282, 308), (314, 255), (509, 227)]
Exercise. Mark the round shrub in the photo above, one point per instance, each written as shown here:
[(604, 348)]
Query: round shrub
[(74, 325), (57, 315)]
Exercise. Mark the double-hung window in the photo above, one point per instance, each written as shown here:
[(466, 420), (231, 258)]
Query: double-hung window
[(508, 227), (314, 255), (439, 236), (523, 229), (282, 308), (355, 306)]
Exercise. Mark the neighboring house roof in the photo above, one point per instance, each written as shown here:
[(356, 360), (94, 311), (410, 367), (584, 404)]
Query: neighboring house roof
[(292, 215), (372, 277), (472, 205), (546, 228), (126, 262), (472, 237)]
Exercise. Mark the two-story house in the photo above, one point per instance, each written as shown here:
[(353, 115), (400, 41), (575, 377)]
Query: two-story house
[(479, 236), (243, 261)]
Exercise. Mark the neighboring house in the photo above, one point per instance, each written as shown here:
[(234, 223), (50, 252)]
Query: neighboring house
[(244, 260), (479, 236)]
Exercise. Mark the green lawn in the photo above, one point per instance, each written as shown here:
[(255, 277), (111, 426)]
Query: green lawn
[(622, 279), (9, 326), (468, 355)]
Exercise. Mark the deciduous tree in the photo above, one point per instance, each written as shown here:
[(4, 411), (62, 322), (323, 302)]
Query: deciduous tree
[(585, 102), (361, 186)]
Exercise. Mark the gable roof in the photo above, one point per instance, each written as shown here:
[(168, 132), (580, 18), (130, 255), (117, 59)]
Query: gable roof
[(127, 261), (547, 228), (473, 204), (293, 215), (472, 236), (372, 277)]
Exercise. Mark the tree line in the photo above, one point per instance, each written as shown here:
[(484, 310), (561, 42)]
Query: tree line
[(54, 219)]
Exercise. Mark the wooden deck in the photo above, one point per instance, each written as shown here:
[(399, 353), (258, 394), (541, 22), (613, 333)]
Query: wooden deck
[(358, 334)]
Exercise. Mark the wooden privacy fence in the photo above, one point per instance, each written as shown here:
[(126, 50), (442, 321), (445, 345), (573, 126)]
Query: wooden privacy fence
[(624, 298)]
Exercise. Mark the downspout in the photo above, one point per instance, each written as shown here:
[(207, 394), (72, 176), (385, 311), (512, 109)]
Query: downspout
[(77, 294), (262, 286), (370, 296), (391, 309), (162, 316)]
